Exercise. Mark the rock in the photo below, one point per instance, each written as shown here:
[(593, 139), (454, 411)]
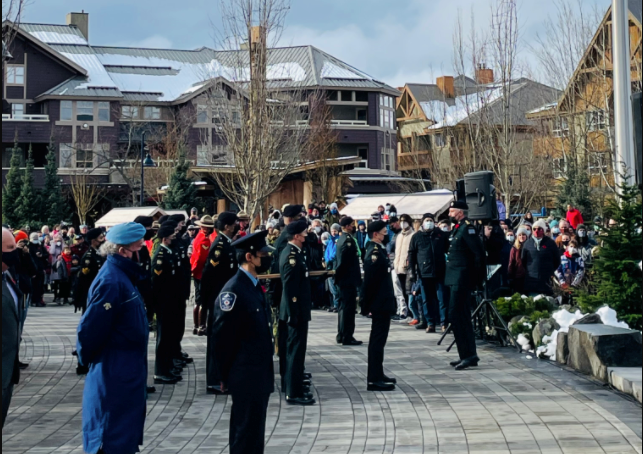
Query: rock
[(593, 349), (627, 380), (518, 320), (592, 319), (544, 328), (562, 348)]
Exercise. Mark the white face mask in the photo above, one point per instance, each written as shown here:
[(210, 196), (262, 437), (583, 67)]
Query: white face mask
[(429, 225), (318, 230), (511, 239), (59, 244), (572, 251), (445, 229), (404, 225), (582, 233), (325, 242)]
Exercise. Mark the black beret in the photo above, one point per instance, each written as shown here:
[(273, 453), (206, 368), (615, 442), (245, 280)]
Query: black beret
[(167, 230), (428, 216), (393, 219), (227, 218), (460, 205), (164, 219), (145, 221), (93, 234), (346, 221), (255, 242), (376, 226), (177, 218), (293, 210), (295, 228)]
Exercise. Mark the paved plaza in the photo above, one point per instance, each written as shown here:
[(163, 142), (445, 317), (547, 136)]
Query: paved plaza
[(511, 404)]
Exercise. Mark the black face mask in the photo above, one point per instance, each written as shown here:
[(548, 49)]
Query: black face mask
[(183, 230), (387, 240), (11, 259), (453, 220), (237, 227), (266, 263), (149, 235)]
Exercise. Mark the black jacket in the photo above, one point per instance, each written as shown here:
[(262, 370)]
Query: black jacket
[(296, 299), (466, 260), (220, 267), (41, 261), (378, 295), (184, 268), (348, 270), (541, 264), (427, 254), (166, 281), (90, 265), (242, 333), (275, 287)]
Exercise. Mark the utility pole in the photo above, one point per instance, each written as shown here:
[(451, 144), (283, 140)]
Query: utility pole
[(625, 158)]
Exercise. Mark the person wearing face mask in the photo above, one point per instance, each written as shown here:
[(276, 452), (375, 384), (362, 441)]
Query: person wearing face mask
[(40, 257), (91, 263), (330, 258), (348, 278), (585, 244), (315, 254), (144, 261), (200, 251), (563, 241), (243, 335), (402, 244), (541, 258), (445, 226), (55, 250), (571, 271), (333, 215), (516, 271), (113, 337), (63, 269), (427, 263)]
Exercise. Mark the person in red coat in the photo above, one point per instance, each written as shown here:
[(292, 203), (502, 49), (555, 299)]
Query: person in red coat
[(201, 249), (574, 217)]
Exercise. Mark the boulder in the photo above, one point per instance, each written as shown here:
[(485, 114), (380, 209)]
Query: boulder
[(593, 349), (544, 328), (592, 319), (516, 321), (562, 348)]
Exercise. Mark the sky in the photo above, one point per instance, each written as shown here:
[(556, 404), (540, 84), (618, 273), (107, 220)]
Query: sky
[(409, 41)]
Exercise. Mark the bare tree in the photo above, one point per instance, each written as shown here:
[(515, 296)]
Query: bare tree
[(85, 195)]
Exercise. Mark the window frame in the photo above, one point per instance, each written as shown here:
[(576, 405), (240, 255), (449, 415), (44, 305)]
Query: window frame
[(12, 69), (66, 150), (84, 106), (560, 127), (13, 111), (85, 149), (596, 120), (134, 112), (63, 109), (153, 111), (202, 109), (102, 108)]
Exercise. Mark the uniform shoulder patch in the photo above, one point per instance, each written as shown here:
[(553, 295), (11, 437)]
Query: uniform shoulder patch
[(472, 231), (227, 301), (374, 258), (293, 262)]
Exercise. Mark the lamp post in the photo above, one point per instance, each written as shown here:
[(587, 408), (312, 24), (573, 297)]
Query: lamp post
[(146, 161)]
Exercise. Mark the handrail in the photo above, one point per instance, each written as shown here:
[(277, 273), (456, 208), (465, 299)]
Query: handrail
[(348, 123), (41, 118)]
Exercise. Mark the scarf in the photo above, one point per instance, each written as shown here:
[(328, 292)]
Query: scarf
[(68, 259)]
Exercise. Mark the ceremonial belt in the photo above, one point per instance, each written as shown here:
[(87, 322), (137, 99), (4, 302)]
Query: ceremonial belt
[(269, 277)]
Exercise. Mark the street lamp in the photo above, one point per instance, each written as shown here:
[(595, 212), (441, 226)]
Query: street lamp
[(146, 161)]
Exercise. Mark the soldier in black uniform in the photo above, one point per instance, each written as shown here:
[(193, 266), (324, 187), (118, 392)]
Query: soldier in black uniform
[(145, 262), (242, 334), (465, 270), (378, 300), (220, 267), (296, 307), (90, 265), (166, 296), (347, 279)]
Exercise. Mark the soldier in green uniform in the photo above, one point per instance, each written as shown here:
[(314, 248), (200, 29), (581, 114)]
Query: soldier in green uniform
[(220, 267), (378, 300), (296, 307), (90, 265), (347, 279), (465, 271), (165, 294)]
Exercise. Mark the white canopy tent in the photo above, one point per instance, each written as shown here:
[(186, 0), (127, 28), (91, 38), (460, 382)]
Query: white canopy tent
[(123, 215), (415, 205)]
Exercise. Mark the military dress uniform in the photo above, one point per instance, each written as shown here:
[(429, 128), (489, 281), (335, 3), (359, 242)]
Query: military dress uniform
[(296, 308), (166, 296), (90, 265), (220, 267), (144, 285), (465, 270), (184, 272), (378, 300), (348, 278)]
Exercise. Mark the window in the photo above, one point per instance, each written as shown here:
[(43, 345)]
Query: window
[(361, 96), (561, 127), (201, 114), (558, 170), (362, 115), (65, 110), (16, 75), (130, 112), (362, 152), (84, 157), (103, 111), (219, 113), (66, 153), (210, 156), (439, 140), (85, 111), (599, 164), (387, 114), (17, 111), (347, 96), (152, 113), (596, 120), (388, 159), (236, 117)]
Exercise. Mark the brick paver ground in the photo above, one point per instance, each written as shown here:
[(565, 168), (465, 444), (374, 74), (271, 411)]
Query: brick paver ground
[(509, 405)]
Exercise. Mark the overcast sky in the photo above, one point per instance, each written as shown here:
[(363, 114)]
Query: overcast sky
[(395, 42)]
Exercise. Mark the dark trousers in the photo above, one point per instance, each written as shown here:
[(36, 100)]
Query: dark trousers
[(346, 310), (282, 346), (379, 336), (179, 332), (164, 364), (431, 303), (197, 292), (212, 375), (248, 423), (6, 402), (460, 319), (296, 358), (402, 278), (38, 290)]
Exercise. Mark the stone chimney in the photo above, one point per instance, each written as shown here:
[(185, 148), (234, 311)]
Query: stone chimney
[(446, 84), (484, 75), (81, 21)]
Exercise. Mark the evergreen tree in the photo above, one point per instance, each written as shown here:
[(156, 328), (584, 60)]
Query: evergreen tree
[(575, 191), (27, 202), (11, 191), (616, 277), (181, 192), (54, 207)]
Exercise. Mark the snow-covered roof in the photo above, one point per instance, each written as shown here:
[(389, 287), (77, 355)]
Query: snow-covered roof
[(544, 108), (55, 34)]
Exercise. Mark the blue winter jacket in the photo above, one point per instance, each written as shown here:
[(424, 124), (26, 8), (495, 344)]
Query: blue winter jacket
[(112, 340)]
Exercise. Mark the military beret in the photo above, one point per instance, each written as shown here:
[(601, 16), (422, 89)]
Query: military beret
[(145, 221), (376, 226), (227, 218), (460, 205), (295, 228), (292, 210), (393, 219), (346, 221), (177, 218), (255, 242), (127, 233), (167, 230), (164, 219), (428, 216), (94, 233)]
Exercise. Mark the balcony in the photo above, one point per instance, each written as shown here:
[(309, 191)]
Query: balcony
[(32, 118), (349, 123)]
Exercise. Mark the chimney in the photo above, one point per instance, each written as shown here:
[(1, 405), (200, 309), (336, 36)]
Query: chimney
[(484, 75), (446, 84), (81, 21)]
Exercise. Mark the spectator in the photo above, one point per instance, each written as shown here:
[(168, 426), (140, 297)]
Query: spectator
[(40, 257), (528, 218), (55, 251), (316, 262), (64, 234), (273, 234), (333, 216), (445, 226), (416, 303), (361, 236), (516, 271), (502, 209), (565, 226), (541, 259), (194, 216), (323, 211), (528, 226), (63, 270), (330, 257), (563, 241), (402, 245), (44, 232), (574, 217), (72, 236), (585, 244), (571, 271)]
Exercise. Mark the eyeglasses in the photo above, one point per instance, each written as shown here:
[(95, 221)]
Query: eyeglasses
[(539, 229)]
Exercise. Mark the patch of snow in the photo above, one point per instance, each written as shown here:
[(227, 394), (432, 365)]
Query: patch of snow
[(609, 318), (58, 38), (566, 319), (332, 71), (539, 297), (97, 76), (544, 108), (445, 115), (523, 342), (290, 70)]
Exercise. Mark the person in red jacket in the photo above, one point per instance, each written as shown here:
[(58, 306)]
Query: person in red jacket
[(201, 249), (574, 217)]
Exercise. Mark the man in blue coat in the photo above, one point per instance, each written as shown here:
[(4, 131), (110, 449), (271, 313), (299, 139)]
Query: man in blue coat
[(112, 341)]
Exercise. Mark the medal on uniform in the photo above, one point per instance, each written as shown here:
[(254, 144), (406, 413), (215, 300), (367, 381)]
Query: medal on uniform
[(374, 258), (217, 253)]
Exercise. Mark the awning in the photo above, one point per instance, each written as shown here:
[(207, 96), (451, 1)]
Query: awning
[(415, 205), (123, 215)]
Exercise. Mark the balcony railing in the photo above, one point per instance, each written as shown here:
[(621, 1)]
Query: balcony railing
[(359, 123), (39, 118)]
